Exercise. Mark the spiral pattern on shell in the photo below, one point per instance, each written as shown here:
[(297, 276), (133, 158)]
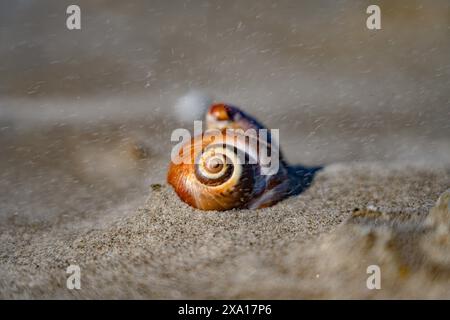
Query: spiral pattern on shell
[(211, 175)]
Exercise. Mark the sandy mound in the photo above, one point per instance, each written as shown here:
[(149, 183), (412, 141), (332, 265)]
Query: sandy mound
[(316, 245)]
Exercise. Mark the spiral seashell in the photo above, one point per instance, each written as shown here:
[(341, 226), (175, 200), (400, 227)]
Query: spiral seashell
[(219, 172)]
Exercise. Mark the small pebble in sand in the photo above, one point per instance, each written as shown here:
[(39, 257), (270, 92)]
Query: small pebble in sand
[(156, 187)]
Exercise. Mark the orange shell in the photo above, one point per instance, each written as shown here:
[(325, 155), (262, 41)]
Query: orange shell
[(244, 186), (232, 193)]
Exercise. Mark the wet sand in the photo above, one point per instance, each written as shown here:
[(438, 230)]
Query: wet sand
[(85, 124), (316, 245)]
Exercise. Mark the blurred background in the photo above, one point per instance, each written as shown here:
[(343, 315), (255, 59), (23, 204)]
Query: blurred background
[(86, 115)]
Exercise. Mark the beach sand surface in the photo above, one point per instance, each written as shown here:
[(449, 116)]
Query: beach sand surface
[(86, 118)]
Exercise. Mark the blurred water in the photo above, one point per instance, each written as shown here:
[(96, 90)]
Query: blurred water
[(276, 56)]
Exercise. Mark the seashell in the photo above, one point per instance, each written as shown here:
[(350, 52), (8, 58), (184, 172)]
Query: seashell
[(219, 171)]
